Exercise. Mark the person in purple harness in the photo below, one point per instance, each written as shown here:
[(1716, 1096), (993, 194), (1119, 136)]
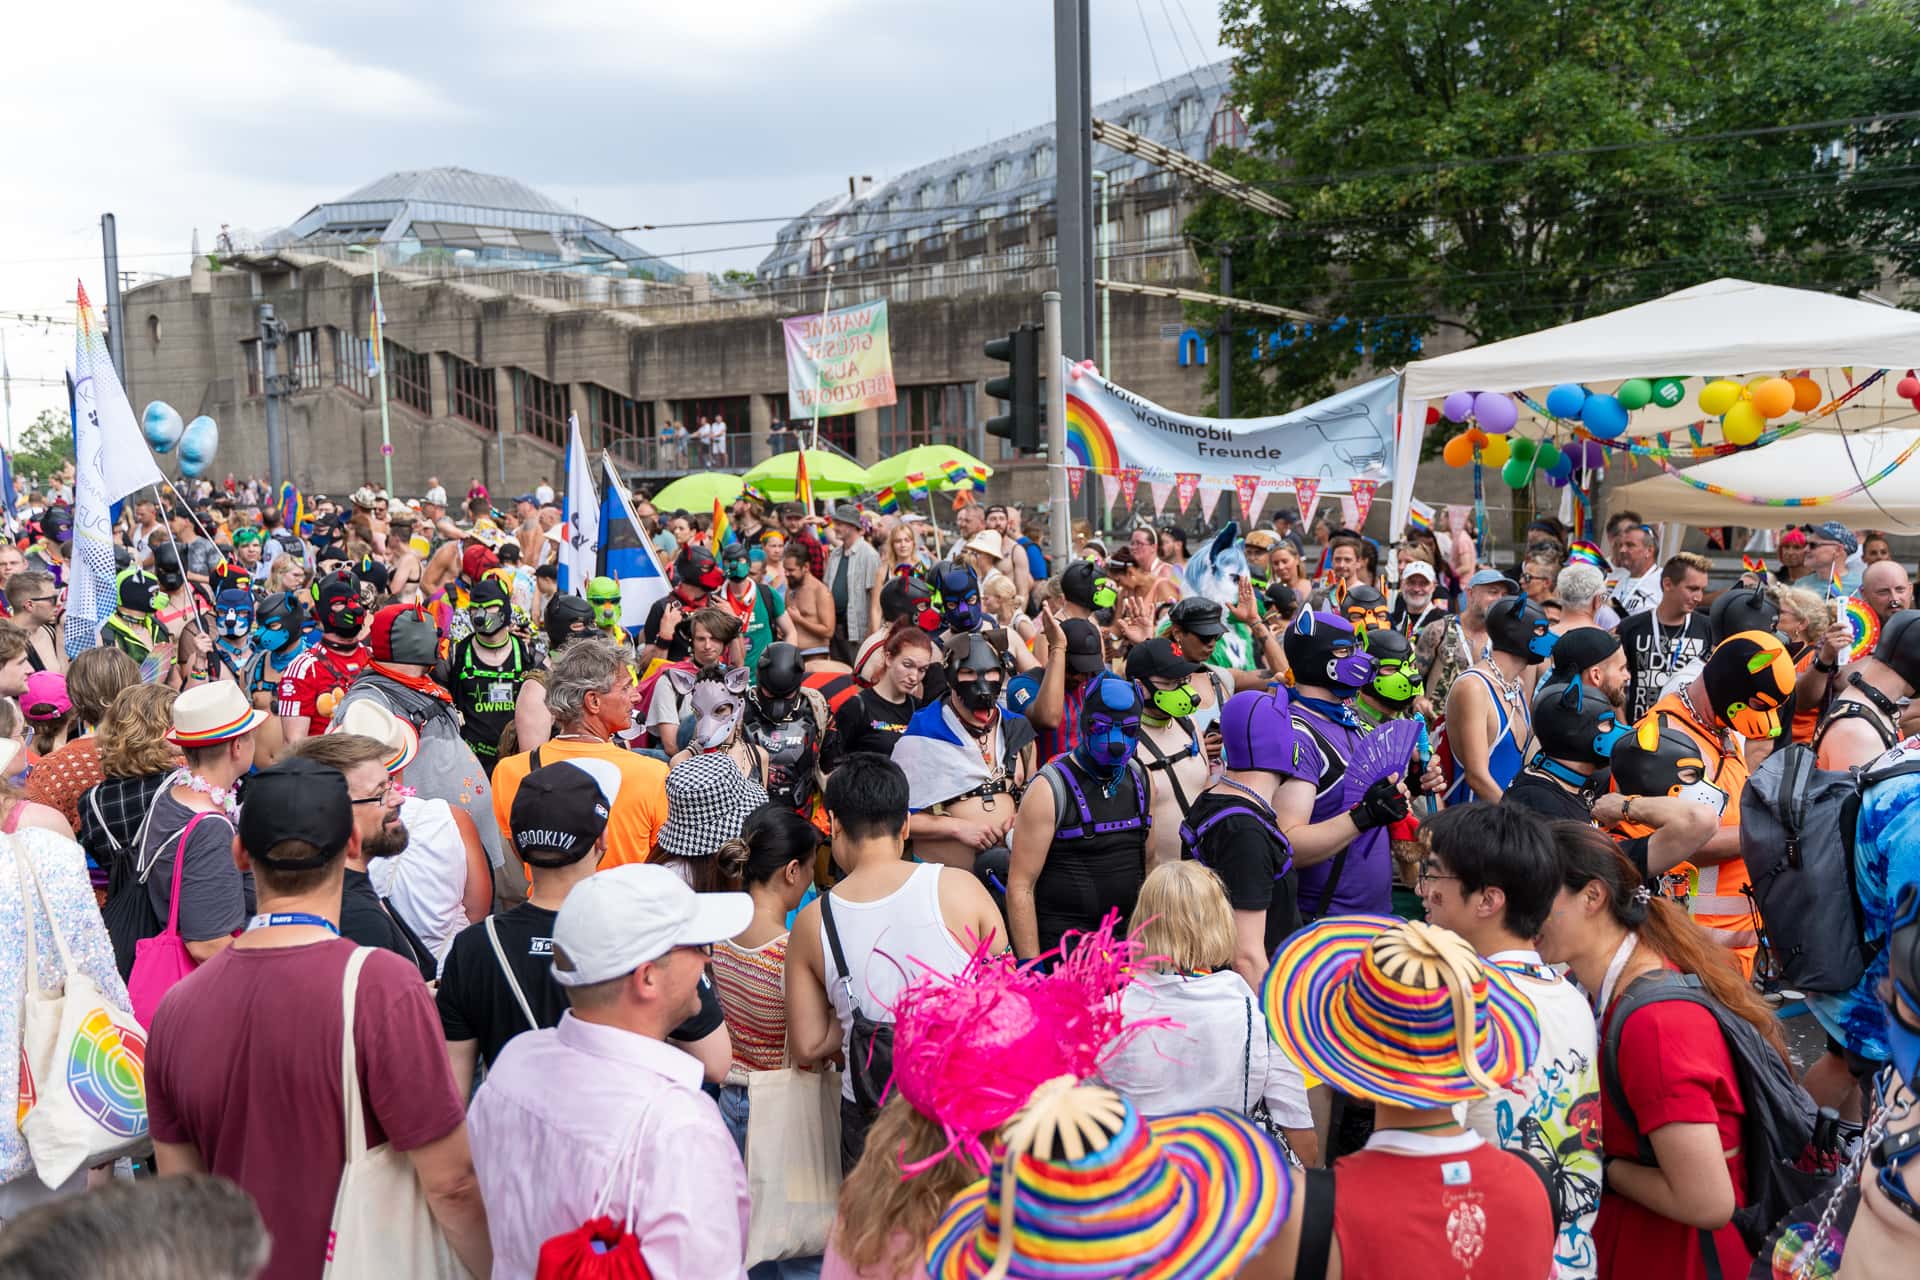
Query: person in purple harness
[(1232, 827), (1080, 842), (1340, 849)]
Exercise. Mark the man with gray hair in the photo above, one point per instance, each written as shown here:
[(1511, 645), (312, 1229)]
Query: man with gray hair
[(1582, 592), (590, 694), (188, 1227)]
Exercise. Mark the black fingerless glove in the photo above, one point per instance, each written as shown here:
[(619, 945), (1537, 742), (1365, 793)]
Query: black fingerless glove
[(1383, 803)]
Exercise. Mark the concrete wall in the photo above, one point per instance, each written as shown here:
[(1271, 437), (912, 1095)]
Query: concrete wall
[(187, 346)]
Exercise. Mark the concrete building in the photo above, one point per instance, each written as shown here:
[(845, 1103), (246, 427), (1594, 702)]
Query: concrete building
[(505, 313)]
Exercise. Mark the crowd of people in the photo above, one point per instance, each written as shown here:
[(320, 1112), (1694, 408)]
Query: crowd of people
[(1197, 905)]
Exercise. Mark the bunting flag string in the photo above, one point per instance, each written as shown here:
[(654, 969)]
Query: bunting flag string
[(1363, 491), (1307, 490), (1247, 489), (1187, 482), (1076, 476), (1209, 501), (1129, 486), (1109, 488), (1160, 490)]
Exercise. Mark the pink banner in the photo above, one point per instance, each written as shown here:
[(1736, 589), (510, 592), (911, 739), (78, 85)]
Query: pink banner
[(1187, 482), (1247, 489), (1363, 491), (1129, 486), (1076, 476), (1307, 490)]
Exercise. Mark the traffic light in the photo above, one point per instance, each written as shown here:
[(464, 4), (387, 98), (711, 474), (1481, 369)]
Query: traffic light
[(1022, 388)]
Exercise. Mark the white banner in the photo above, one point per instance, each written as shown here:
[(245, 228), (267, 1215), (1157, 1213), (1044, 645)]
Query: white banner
[(580, 532), (1345, 436)]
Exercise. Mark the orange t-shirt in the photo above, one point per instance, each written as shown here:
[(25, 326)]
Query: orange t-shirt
[(638, 810)]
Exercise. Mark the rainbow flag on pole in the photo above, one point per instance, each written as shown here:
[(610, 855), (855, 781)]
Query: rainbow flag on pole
[(917, 485), (885, 502), (802, 487), (956, 473), (722, 531), (980, 479)]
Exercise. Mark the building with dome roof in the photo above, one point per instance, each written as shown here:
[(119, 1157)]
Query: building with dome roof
[(469, 217)]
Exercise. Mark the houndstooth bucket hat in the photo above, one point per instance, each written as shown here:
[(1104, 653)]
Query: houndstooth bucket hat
[(708, 800)]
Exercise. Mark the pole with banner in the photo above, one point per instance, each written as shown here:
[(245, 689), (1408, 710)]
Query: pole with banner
[(819, 374), (1060, 512)]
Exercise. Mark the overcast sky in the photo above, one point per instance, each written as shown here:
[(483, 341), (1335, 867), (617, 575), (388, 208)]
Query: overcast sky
[(186, 116)]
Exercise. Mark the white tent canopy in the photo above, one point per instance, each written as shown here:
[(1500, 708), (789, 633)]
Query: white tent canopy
[(1809, 461), (1721, 328)]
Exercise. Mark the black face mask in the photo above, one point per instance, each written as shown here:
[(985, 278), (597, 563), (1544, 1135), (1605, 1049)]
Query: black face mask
[(982, 693)]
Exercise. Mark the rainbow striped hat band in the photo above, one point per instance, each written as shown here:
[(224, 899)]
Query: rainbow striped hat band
[(211, 713), (1386, 1009), (1093, 1191)]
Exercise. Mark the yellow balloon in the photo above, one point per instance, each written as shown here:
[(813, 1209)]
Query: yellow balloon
[(1494, 452), (1719, 396), (1743, 423)]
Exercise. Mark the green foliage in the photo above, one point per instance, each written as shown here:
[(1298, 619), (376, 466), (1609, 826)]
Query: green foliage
[(45, 446), (1498, 167)]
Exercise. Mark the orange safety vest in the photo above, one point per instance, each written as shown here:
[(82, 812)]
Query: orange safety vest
[(1720, 900)]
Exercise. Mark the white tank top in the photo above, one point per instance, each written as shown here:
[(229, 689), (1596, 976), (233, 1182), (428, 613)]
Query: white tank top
[(889, 942)]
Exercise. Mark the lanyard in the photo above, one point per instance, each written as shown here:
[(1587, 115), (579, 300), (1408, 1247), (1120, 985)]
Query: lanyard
[(269, 920), (1614, 968)]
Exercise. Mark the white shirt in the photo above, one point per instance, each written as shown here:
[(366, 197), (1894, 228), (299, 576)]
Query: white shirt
[(1637, 595), (1547, 1112), (573, 1109), (1217, 1053), (427, 881)]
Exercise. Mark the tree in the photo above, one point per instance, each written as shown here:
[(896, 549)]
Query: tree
[(1497, 167), (45, 446)]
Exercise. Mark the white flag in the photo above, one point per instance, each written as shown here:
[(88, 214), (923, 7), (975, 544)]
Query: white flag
[(1161, 491), (580, 532), (110, 461), (1209, 502), (1109, 488)]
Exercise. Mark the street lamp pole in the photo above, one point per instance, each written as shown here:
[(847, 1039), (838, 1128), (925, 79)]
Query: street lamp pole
[(379, 357)]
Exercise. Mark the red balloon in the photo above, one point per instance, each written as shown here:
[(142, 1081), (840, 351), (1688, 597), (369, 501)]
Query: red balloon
[(1433, 414), (1907, 388)]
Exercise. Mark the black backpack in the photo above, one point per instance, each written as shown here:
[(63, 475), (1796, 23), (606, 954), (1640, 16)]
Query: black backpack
[(1778, 1126), (1796, 835)]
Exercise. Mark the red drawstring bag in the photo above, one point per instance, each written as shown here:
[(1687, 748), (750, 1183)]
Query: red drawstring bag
[(601, 1249)]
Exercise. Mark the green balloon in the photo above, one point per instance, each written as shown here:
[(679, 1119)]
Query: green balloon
[(1516, 473), (1667, 392), (1546, 455), (1521, 449), (1634, 393)]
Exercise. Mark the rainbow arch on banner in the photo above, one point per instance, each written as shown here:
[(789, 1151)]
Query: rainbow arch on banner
[(1089, 442)]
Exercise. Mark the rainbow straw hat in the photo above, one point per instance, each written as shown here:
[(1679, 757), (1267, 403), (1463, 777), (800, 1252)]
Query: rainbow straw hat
[(1092, 1190), (1384, 1009), (213, 713)]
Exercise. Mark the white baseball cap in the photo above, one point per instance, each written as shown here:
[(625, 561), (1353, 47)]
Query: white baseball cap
[(616, 920), (1418, 569)]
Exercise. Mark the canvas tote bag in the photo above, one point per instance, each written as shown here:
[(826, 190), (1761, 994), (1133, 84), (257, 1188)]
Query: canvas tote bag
[(83, 1080), (793, 1162), (382, 1226)]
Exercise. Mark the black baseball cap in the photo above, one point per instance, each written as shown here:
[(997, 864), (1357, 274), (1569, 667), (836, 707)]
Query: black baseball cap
[(1200, 616), (1077, 582), (1085, 654), (1158, 657), (297, 799), (1582, 647), (559, 813)]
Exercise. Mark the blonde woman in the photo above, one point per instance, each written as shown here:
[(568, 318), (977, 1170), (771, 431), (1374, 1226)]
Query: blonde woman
[(1813, 637), (903, 550), (1216, 1053), (884, 1219), (1002, 600), (137, 760), (287, 574), (1285, 567)]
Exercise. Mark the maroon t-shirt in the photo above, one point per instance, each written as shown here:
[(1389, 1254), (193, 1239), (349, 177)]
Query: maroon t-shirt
[(243, 1064)]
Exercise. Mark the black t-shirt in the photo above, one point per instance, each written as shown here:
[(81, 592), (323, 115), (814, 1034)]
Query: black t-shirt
[(682, 643), (365, 919), (866, 722), (477, 1004), (1655, 651), (1249, 856), (1547, 798)]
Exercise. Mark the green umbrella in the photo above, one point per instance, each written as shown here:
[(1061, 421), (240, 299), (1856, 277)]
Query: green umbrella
[(828, 474), (931, 461), (698, 492)]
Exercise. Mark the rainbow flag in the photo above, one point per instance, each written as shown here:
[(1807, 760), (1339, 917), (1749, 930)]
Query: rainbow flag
[(293, 506), (979, 478), (802, 487), (1581, 551), (885, 502), (373, 340), (956, 473), (917, 485), (1753, 564), (1836, 582), (1419, 516), (722, 531)]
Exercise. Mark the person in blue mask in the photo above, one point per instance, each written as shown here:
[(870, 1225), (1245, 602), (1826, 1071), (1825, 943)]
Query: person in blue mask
[(278, 638), (232, 632), (1079, 847), (1489, 707)]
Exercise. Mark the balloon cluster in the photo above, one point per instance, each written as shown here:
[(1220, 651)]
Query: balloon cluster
[(1605, 416), (1908, 388), (1744, 410), (198, 440)]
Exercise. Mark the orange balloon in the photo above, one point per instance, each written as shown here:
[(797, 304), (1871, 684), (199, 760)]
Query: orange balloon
[(1773, 397), (1806, 394), (1478, 437), (1458, 451)]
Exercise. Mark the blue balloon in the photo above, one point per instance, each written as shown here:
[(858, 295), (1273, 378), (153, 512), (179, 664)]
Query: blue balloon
[(161, 425), (197, 446), (1565, 400), (1562, 467), (1604, 416)]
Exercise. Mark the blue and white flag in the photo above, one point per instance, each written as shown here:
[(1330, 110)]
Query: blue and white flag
[(111, 460), (580, 529), (626, 553)]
